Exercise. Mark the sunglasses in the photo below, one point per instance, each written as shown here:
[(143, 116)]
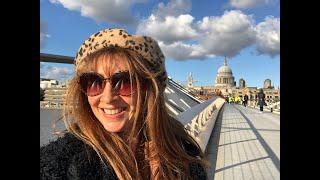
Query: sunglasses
[(92, 83)]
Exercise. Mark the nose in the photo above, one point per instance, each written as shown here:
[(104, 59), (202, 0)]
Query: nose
[(107, 95)]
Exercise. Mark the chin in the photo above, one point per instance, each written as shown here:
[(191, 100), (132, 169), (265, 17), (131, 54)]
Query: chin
[(114, 130), (115, 127)]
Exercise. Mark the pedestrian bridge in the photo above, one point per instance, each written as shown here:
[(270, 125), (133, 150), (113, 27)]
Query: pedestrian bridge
[(239, 142), (244, 144)]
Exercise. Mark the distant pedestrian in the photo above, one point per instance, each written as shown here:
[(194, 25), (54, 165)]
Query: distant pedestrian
[(239, 100), (245, 100), (261, 99)]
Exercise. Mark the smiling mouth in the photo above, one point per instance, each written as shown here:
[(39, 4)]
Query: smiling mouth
[(113, 111)]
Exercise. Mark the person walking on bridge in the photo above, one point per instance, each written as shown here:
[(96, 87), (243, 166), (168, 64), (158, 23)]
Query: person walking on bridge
[(238, 99), (245, 100), (261, 99), (116, 119)]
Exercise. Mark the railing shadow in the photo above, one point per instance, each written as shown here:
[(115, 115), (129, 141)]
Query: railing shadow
[(271, 154), (237, 128)]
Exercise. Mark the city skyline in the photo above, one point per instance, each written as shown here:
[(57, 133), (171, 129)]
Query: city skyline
[(194, 37)]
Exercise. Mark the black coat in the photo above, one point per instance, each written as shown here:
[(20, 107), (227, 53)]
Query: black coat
[(70, 158), (245, 97), (261, 99)]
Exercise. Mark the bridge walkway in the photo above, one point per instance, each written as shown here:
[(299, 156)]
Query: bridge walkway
[(245, 144)]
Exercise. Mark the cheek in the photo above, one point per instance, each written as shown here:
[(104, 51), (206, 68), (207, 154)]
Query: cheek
[(127, 100), (130, 103), (93, 101), (133, 100)]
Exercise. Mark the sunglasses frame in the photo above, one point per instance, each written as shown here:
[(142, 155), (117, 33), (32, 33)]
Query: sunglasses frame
[(104, 80)]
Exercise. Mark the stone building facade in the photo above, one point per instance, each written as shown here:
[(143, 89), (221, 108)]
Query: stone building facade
[(225, 85)]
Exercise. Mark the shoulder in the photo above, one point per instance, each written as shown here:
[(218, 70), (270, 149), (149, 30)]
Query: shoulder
[(65, 147), (67, 140), (70, 158), (197, 171), (55, 156)]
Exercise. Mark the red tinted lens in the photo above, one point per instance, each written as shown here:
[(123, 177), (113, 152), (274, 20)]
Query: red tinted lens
[(122, 84), (96, 88), (92, 84)]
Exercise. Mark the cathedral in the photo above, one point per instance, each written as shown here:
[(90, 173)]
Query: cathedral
[(225, 85)]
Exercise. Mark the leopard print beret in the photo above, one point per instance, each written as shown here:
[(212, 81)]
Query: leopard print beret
[(147, 47)]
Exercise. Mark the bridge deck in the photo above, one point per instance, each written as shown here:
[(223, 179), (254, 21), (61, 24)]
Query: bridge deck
[(245, 145)]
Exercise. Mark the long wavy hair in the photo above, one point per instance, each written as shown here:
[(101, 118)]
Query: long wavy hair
[(150, 122)]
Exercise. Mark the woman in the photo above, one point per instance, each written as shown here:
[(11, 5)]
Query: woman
[(117, 123), (261, 99)]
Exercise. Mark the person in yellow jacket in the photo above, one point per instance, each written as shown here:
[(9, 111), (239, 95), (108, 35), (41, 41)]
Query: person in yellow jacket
[(237, 99), (230, 99)]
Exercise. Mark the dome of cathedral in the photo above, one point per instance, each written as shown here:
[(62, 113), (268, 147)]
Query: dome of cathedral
[(225, 69), (224, 76)]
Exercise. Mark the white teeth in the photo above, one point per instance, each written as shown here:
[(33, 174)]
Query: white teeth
[(112, 111)]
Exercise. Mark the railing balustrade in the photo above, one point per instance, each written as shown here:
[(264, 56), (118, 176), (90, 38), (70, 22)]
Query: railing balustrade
[(199, 121)]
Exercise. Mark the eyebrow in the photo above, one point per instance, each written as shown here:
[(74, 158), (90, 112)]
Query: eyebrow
[(127, 70)]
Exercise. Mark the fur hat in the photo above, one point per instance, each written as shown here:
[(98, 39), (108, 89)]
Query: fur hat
[(147, 47)]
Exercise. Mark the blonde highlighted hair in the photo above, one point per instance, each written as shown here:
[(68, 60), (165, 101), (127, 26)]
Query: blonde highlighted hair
[(150, 122)]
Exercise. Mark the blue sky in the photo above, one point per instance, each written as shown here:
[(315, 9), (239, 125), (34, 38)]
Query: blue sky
[(194, 36)]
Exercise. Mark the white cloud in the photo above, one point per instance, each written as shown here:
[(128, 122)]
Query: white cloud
[(173, 8), (181, 51), (112, 11), (169, 29), (268, 36), (224, 35), (245, 4), (227, 35), (181, 38), (58, 73), (43, 33)]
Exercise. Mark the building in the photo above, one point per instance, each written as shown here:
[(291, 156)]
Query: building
[(225, 85), (225, 78), (242, 83), (56, 94), (52, 93), (48, 83), (52, 90), (267, 84), (190, 81)]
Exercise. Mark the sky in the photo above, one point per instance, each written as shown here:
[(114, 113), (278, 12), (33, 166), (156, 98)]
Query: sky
[(194, 35)]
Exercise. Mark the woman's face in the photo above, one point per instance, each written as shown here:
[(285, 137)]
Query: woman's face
[(112, 110)]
